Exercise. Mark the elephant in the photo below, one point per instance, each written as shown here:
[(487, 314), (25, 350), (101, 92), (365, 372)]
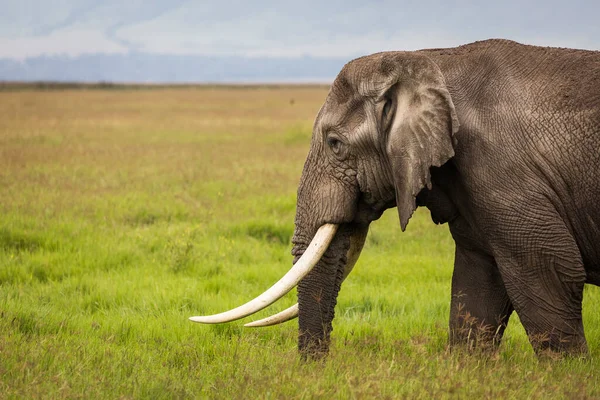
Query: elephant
[(499, 140)]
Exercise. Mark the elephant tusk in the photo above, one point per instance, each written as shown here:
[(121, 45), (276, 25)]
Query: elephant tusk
[(283, 316), (356, 245), (301, 268)]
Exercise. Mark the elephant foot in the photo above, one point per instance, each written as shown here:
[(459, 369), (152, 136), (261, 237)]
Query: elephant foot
[(556, 345), (312, 347)]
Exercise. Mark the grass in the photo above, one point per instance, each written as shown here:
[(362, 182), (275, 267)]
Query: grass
[(124, 212)]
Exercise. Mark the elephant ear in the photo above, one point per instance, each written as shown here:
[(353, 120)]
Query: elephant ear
[(422, 131)]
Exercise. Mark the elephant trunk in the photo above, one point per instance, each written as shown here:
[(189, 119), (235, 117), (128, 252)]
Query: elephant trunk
[(317, 292)]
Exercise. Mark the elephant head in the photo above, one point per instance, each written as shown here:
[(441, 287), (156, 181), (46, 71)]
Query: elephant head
[(387, 120)]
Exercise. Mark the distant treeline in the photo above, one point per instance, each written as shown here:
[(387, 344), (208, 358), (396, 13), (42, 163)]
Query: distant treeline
[(49, 85)]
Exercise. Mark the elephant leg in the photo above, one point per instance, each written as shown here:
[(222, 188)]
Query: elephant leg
[(480, 307), (544, 276)]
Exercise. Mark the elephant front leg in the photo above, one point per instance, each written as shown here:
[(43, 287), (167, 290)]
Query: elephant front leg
[(480, 307)]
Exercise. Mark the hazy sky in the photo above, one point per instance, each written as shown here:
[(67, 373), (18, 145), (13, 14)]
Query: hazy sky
[(285, 28)]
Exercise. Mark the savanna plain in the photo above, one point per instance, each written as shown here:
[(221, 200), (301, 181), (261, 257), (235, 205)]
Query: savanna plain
[(124, 211)]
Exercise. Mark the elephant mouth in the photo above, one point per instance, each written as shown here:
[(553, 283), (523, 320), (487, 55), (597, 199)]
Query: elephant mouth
[(370, 208)]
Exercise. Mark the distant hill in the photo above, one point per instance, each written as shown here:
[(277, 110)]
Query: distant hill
[(153, 68)]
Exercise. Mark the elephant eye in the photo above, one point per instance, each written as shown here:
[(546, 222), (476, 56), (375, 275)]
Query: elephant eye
[(334, 144)]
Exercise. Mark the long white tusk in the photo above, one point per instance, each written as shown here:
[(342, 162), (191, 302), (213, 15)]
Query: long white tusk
[(301, 268), (280, 317), (356, 245)]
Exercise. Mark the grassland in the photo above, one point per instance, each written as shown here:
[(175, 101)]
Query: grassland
[(124, 212)]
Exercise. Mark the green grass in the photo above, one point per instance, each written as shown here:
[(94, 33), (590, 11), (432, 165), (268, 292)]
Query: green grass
[(125, 212)]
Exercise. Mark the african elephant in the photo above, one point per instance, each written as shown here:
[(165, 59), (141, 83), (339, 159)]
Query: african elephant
[(498, 139)]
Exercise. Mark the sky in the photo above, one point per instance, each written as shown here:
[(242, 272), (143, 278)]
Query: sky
[(350, 28)]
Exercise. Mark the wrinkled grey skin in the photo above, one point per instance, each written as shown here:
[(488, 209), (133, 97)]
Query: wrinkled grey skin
[(499, 140)]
